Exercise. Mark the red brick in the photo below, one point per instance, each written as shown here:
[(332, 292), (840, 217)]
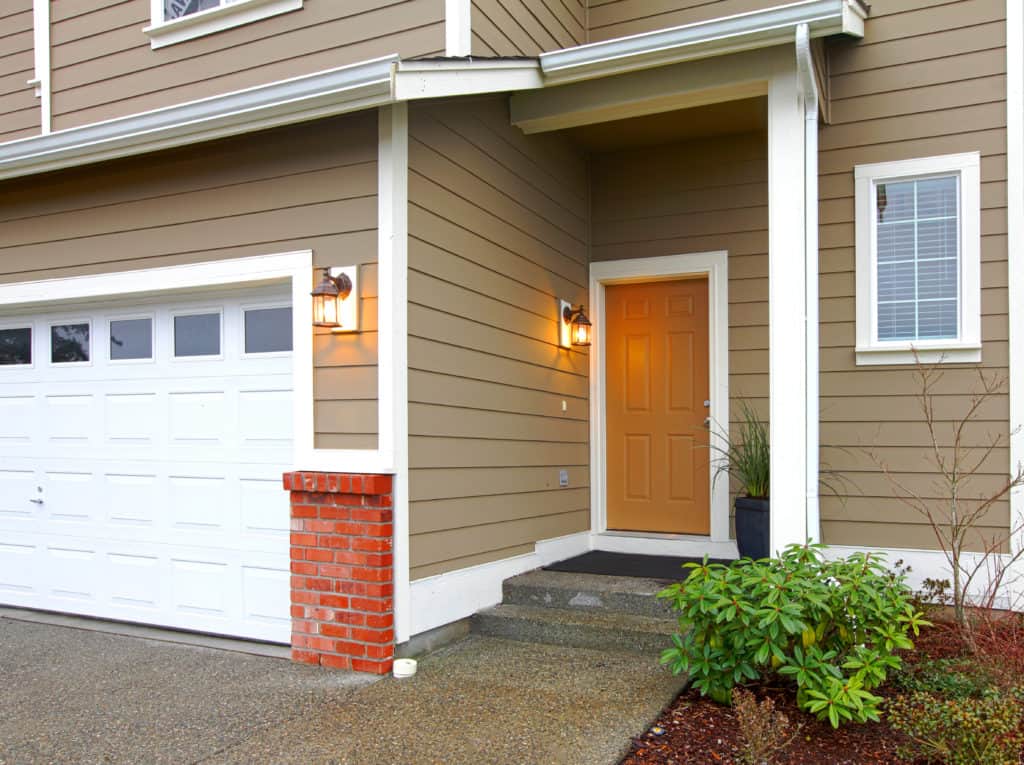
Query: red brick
[(304, 511), (357, 484), (350, 648), (333, 480), (333, 601), (335, 513), (372, 545), (352, 558), (333, 542), (377, 484), (350, 588), (351, 618), (377, 606), (335, 630), (319, 556), (335, 662), (371, 514), (298, 582), (322, 614), (298, 612), (307, 569), (335, 572), (323, 585), (384, 590), (320, 643), (304, 627), (383, 530), (305, 657), (372, 667), (372, 574), (303, 540), (373, 636), (379, 620), (380, 651), (300, 596)]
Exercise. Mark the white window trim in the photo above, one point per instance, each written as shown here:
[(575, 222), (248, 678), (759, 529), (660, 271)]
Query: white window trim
[(67, 322), (231, 13), (135, 316), (967, 346), (201, 310)]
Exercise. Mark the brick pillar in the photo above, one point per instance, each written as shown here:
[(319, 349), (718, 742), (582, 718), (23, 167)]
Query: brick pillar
[(342, 581)]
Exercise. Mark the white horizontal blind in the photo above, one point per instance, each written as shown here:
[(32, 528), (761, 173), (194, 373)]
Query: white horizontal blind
[(918, 258)]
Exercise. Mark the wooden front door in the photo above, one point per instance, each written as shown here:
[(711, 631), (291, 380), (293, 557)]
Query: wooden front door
[(656, 344)]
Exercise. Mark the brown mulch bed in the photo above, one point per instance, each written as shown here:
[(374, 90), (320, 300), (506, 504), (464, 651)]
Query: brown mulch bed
[(696, 730)]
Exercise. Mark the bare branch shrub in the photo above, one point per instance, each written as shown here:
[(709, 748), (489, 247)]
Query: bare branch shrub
[(974, 552)]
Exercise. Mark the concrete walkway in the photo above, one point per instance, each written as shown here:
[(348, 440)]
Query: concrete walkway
[(76, 696)]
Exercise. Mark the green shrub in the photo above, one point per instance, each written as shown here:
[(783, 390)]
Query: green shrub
[(966, 731), (959, 678), (832, 627)]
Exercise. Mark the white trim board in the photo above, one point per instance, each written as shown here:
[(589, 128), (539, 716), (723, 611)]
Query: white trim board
[(230, 13), (715, 265), (458, 20), (678, 545), (1015, 250), (393, 335), (294, 266), (446, 598)]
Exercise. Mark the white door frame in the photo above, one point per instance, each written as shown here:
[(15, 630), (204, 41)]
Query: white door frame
[(714, 265)]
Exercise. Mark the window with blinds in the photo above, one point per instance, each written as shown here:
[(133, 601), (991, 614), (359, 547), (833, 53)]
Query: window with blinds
[(918, 253), (918, 256)]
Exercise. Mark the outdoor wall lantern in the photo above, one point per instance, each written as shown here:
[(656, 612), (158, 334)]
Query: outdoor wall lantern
[(336, 300), (575, 329)]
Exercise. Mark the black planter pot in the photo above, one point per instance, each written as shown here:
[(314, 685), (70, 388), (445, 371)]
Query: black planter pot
[(752, 531)]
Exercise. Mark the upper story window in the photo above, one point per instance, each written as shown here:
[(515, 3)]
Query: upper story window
[(175, 21), (919, 260)]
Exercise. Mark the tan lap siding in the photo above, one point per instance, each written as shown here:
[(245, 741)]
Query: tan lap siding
[(618, 18), (526, 27), (305, 187), (19, 108), (699, 196), (497, 232), (103, 65), (922, 83)]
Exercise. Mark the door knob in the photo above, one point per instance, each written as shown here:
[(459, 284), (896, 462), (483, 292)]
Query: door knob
[(36, 501), (707, 402)]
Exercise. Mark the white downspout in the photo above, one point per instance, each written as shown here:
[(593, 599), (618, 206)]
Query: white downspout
[(41, 46), (809, 92)]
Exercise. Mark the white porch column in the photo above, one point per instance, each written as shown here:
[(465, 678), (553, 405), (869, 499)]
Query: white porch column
[(787, 284)]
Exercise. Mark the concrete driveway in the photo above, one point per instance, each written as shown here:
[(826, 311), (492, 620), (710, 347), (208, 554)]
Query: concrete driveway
[(78, 696)]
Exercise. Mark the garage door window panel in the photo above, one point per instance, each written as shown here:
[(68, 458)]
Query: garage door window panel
[(71, 342), (198, 335), (16, 346), (131, 339), (268, 330)]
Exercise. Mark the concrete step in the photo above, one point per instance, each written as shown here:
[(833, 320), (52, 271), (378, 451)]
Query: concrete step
[(581, 629), (586, 592)]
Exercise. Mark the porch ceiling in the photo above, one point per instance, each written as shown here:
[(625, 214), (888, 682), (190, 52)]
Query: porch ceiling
[(746, 115)]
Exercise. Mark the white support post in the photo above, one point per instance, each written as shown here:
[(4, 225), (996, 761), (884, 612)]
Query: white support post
[(787, 285), (393, 335), (809, 94), (458, 39)]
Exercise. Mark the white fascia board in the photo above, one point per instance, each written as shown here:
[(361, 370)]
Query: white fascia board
[(335, 91), (731, 34), (444, 79)]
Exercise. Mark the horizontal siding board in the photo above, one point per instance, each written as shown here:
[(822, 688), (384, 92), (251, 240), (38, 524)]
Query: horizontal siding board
[(498, 232), (434, 569)]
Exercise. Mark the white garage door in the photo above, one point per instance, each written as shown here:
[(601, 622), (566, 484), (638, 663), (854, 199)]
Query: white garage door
[(141, 451)]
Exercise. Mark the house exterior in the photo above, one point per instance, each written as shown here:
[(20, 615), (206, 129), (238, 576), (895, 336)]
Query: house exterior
[(753, 201)]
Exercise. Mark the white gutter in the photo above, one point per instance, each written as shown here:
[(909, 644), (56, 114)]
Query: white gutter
[(387, 80), (809, 92), (744, 31), (335, 91)]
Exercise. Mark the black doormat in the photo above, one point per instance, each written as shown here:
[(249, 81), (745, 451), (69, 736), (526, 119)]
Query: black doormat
[(666, 567)]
